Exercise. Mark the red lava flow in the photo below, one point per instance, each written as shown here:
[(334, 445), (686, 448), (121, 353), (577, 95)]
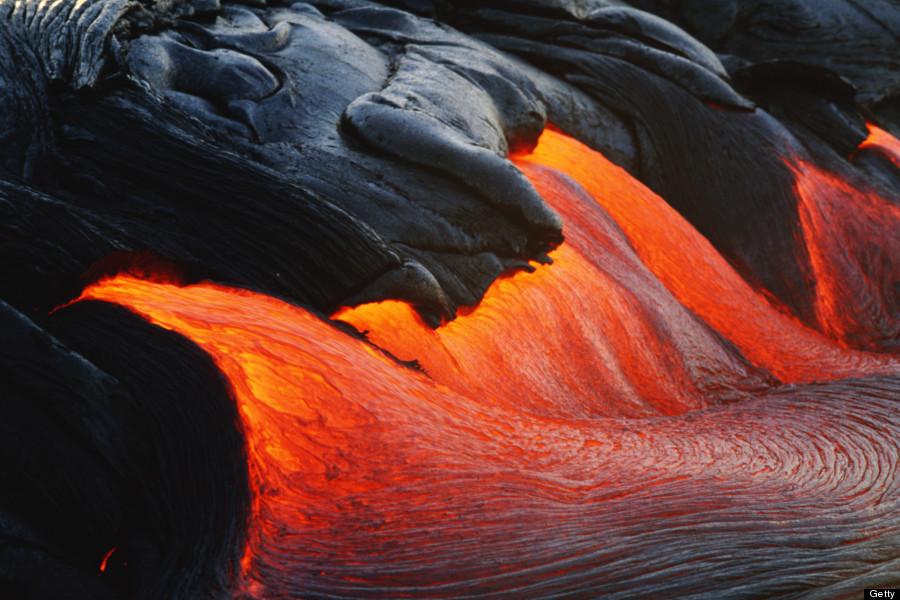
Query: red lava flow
[(590, 396)]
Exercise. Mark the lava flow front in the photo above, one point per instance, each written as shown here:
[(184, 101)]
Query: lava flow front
[(613, 417)]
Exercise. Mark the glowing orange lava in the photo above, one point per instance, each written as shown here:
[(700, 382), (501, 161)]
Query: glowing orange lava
[(106, 559), (673, 251), (850, 232), (372, 480), (883, 143), (344, 443), (586, 402), (579, 338)]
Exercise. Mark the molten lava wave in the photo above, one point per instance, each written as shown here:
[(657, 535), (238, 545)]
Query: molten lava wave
[(612, 419)]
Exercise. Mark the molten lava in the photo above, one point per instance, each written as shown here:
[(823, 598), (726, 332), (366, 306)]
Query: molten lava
[(583, 337), (850, 232), (592, 401), (882, 143), (674, 252)]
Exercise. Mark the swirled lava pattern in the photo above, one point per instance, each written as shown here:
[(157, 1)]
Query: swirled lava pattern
[(633, 414)]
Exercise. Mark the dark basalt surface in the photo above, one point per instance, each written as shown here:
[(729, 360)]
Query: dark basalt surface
[(257, 106), (120, 440), (338, 152)]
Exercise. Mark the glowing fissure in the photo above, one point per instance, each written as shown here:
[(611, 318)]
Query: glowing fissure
[(584, 401)]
